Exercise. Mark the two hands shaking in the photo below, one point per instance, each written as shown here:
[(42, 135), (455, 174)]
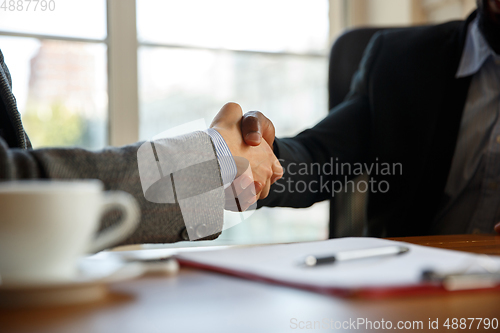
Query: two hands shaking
[(250, 139)]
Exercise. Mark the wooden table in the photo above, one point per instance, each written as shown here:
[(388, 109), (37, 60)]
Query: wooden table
[(198, 301)]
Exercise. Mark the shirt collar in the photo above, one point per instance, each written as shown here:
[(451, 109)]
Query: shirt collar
[(476, 51)]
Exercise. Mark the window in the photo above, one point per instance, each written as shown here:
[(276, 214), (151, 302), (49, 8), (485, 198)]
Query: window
[(183, 60), (58, 64)]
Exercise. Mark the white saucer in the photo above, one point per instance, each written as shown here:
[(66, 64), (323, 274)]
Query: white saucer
[(89, 285)]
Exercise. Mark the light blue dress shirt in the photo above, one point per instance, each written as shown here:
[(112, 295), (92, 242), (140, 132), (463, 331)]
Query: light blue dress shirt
[(473, 184), (226, 162)]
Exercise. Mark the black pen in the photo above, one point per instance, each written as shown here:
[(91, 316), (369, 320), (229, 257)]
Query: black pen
[(313, 260)]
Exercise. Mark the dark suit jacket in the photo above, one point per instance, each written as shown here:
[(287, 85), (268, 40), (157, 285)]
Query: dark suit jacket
[(405, 106)]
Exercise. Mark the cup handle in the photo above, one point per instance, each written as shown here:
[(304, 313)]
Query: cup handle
[(125, 203)]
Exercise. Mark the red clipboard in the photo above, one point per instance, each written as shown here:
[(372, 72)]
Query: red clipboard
[(397, 276), (369, 292)]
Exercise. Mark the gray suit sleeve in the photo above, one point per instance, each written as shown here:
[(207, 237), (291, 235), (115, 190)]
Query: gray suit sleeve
[(117, 168)]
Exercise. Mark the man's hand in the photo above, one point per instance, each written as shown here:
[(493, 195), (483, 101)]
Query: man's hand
[(263, 166), (255, 127), (497, 228)]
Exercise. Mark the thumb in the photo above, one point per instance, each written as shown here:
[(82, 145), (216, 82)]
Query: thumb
[(230, 114), (497, 228), (255, 126)]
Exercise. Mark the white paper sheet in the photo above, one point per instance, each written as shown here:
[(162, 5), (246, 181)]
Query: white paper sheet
[(280, 262)]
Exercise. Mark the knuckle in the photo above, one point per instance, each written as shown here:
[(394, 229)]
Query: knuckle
[(250, 123), (278, 173), (258, 186), (264, 193), (255, 114), (249, 118), (269, 173), (278, 166), (233, 104), (233, 107)]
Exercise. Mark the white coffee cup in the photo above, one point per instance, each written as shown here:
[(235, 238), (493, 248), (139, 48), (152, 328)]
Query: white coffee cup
[(46, 226)]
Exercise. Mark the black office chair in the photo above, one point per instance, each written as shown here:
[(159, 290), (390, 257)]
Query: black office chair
[(347, 210)]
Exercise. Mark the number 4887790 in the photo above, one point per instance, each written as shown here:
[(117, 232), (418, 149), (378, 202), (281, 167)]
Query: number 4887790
[(471, 323), (28, 5)]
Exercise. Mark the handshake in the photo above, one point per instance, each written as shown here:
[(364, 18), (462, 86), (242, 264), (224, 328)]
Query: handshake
[(250, 139)]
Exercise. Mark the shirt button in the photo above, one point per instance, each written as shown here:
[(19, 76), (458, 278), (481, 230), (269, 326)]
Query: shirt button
[(498, 139), (185, 233), (201, 231)]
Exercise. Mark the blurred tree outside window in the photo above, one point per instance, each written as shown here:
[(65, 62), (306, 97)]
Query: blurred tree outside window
[(58, 64)]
